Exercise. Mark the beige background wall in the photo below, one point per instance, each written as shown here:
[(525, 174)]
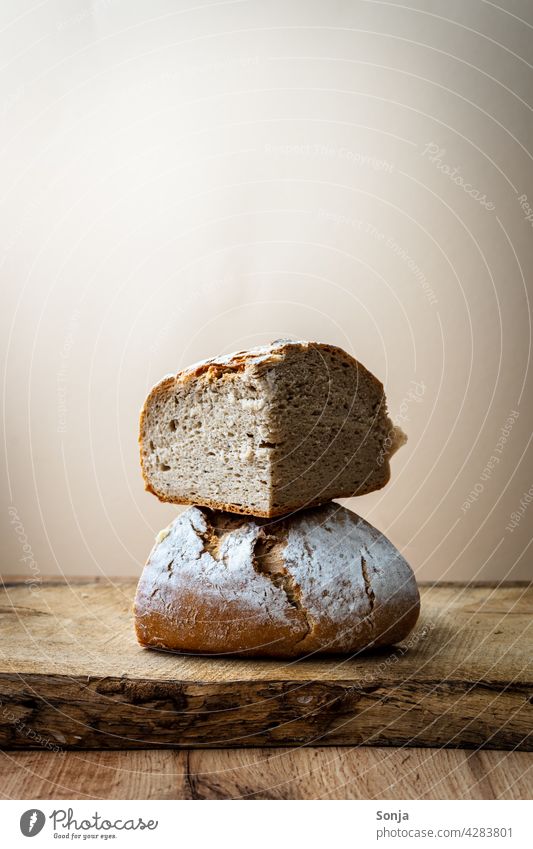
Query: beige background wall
[(183, 179)]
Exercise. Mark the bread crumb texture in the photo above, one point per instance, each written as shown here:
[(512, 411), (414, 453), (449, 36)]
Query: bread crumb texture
[(268, 431)]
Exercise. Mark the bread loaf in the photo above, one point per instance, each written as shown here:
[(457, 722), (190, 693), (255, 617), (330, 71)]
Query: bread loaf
[(267, 431), (322, 580)]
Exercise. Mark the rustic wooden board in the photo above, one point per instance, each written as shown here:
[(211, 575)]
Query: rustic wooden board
[(72, 676), (295, 773)]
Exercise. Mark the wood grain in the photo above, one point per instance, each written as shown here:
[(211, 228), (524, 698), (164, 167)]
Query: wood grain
[(321, 773), (72, 676)]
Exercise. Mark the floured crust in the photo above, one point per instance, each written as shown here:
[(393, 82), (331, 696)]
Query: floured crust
[(261, 358), (321, 581)]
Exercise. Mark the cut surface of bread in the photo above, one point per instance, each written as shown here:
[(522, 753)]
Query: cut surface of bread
[(268, 431), (320, 581)]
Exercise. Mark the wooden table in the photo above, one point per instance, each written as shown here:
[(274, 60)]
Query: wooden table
[(306, 773), (447, 714)]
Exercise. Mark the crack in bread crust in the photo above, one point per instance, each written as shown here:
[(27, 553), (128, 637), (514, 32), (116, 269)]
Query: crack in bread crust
[(268, 560), (369, 592)]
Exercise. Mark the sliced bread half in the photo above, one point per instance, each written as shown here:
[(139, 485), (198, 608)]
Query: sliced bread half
[(268, 431)]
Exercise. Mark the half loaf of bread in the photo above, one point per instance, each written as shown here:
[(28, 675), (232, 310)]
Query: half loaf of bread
[(268, 431), (323, 580)]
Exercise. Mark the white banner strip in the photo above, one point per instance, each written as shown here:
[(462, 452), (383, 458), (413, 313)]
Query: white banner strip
[(268, 824)]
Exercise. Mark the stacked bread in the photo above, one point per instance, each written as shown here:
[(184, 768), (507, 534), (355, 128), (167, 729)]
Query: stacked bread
[(265, 563)]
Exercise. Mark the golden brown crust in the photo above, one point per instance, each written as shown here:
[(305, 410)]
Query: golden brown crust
[(272, 514), (236, 363), (155, 630)]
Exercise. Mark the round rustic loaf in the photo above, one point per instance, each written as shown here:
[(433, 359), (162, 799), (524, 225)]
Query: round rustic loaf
[(321, 580)]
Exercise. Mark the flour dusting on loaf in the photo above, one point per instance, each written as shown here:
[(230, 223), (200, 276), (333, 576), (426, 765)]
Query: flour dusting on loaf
[(323, 580)]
